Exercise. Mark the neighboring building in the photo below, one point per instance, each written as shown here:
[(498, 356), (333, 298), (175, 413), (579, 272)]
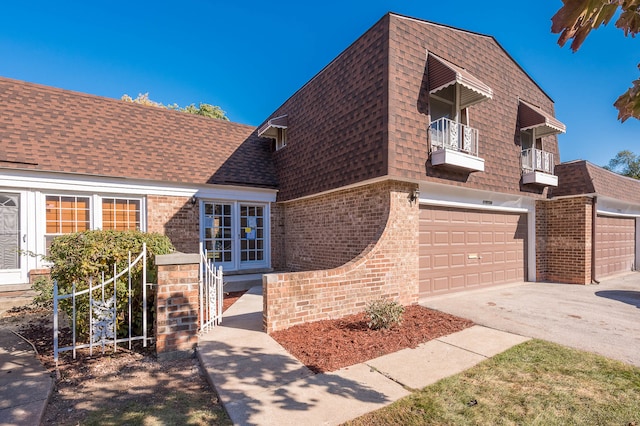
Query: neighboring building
[(420, 161), (589, 229), (71, 162)]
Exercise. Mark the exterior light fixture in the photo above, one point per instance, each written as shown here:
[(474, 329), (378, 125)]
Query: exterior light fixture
[(413, 196), (193, 201)]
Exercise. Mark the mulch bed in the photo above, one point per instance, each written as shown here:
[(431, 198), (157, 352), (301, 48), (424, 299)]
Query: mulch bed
[(329, 345)]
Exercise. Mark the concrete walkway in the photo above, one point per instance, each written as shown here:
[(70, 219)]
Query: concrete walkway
[(260, 383), (25, 385)]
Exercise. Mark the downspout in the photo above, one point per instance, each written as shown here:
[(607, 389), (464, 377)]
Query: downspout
[(594, 217)]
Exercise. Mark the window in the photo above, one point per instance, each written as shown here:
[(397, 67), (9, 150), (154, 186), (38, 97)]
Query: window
[(526, 140), (120, 214), (281, 139), (66, 214), (71, 213)]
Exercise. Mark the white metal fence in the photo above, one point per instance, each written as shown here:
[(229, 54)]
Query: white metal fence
[(101, 300), (537, 160), (447, 134), (211, 292)]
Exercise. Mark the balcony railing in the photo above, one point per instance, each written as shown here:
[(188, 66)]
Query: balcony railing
[(537, 160), (447, 134)]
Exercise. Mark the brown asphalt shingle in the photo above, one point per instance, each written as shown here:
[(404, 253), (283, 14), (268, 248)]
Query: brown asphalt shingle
[(581, 177), (50, 129)]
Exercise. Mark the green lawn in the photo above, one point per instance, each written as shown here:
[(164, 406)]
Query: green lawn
[(535, 383)]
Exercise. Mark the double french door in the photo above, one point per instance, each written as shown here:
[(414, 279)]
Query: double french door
[(235, 234)]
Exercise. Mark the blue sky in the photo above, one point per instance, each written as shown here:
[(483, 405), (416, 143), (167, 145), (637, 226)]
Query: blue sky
[(249, 57)]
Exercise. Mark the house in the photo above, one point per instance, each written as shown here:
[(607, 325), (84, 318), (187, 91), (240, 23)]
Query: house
[(410, 166), (71, 162), (422, 160)]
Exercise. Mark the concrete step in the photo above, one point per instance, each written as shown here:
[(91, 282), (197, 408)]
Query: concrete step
[(15, 298), (241, 282)]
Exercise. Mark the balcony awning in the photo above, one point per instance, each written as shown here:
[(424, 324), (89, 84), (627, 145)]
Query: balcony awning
[(270, 128), (442, 74), (532, 117)]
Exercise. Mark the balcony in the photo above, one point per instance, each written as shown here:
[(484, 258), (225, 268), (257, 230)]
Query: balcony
[(537, 168), (455, 145)]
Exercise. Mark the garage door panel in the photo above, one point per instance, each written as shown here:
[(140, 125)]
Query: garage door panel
[(481, 248), (458, 260), (440, 261), (615, 245), (473, 237)]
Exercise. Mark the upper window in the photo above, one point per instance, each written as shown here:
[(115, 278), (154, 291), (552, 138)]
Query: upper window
[(281, 139), (526, 139), (276, 129), (120, 214)]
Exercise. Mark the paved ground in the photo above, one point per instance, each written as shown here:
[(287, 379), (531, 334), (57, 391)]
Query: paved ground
[(25, 385), (260, 383), (603, 318)]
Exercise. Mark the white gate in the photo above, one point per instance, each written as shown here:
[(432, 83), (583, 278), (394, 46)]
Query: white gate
[(103, 314), (211, 292)]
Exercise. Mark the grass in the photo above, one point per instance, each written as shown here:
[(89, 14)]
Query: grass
[(179, 408), (535, 383)]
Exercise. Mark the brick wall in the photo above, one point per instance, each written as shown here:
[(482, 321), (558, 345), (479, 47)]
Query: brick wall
[(564, 240), (177, 302), (330, 230), (388, 266), (278, 259), (176, 218)]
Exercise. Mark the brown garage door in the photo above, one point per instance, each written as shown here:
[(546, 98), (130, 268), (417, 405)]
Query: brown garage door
[(615, 245), (463, 249)]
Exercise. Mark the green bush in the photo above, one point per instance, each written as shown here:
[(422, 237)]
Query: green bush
[(383, 313), (90, 255), (43, 286)]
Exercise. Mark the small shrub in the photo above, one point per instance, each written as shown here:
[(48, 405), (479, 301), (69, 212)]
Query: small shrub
[(90, 255), (383, 313), (43, 286)]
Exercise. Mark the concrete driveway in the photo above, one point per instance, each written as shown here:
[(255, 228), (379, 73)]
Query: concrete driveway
[(603, 318)]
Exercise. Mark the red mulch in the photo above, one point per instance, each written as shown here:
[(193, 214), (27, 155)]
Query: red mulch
[(333, 344)]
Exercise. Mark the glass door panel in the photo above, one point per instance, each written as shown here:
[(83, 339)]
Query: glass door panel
[(252, 235), (218, 233)]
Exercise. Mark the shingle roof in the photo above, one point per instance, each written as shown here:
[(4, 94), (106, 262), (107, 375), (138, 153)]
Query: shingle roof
[(581, 177), (50, 129)]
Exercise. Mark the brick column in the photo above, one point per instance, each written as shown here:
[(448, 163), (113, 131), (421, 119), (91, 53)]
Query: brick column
[(177, 303)]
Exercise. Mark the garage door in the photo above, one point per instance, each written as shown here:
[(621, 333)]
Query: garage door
[(464, 249), (615, 245)]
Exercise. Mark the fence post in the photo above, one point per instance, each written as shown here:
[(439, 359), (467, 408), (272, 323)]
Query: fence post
[(177, 302)]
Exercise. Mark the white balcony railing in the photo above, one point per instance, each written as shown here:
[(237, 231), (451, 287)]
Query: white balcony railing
[(447, 134), (537, 160)]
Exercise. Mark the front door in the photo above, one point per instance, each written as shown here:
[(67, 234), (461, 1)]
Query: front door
[(11, 264), (234, 234)]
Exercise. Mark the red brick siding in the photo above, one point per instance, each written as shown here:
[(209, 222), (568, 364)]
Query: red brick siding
[(278, 247), (176, 218), (330, 230), (496, 119), (564, 240), (388, 267), (177, 308), (337, 122)]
